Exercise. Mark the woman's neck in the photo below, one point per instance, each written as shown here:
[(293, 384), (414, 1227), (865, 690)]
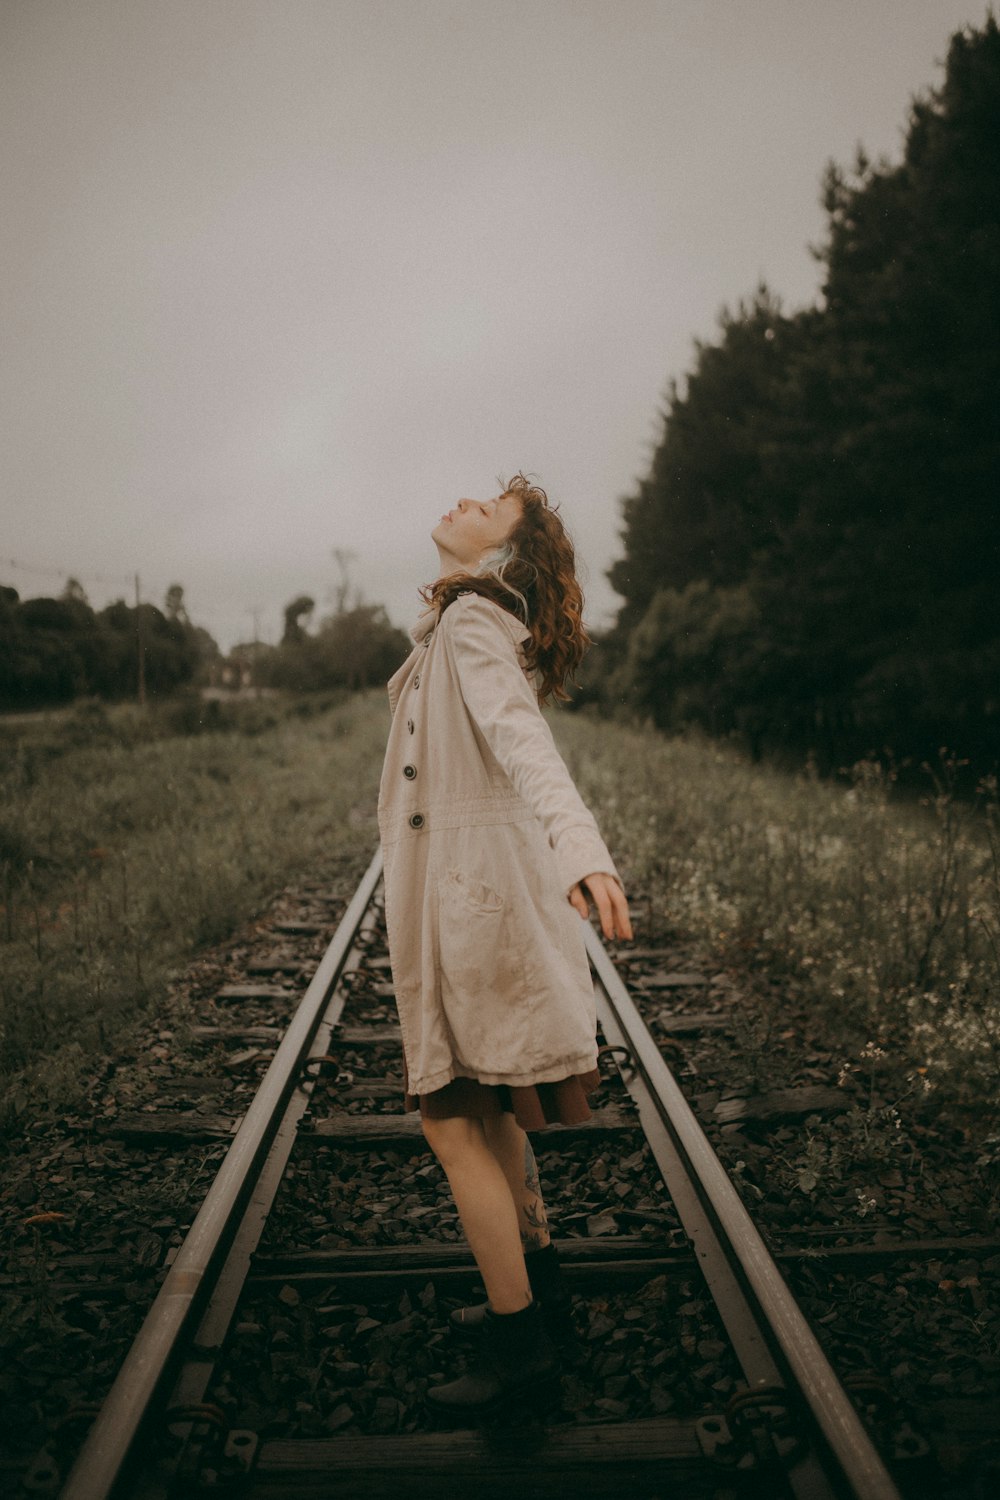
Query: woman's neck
[(449, 566)]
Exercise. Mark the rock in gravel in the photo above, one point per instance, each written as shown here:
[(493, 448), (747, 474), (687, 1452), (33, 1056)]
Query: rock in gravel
[(387, 1414), (600, 1326), (148, 1249), (711, 1348), (614, 1410)]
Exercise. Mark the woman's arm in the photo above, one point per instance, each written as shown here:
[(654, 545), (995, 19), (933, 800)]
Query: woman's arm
[(504, 708)]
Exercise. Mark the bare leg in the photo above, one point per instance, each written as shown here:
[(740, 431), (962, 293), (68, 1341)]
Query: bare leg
[(512, 1149), (485, 1206)]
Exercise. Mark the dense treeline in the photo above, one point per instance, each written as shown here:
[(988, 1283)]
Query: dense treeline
[(812, 560), (55, 650)]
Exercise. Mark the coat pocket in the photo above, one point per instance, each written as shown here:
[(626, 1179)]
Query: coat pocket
[(482, 977), (457, 886)]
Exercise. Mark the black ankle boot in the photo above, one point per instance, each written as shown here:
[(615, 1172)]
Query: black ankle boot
[(516, 1359), (545, 1277)]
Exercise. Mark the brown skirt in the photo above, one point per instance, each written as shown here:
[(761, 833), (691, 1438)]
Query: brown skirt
[(561, 1102)]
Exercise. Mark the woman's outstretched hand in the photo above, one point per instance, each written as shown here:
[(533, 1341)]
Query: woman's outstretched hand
[(609, 898)]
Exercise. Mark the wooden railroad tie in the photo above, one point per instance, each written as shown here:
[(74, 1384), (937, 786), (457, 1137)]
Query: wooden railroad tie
[(336, 1130), (595, 1462)]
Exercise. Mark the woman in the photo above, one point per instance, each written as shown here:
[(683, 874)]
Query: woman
[(491, 859)]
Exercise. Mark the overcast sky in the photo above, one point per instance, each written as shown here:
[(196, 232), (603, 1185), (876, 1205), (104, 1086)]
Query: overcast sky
[(284, 276)]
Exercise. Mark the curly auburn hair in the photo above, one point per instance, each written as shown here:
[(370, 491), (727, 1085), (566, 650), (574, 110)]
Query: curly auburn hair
[(532, 575)]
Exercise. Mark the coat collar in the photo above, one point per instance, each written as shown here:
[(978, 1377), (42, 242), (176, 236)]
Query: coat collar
[(428, 618), (425, 624)]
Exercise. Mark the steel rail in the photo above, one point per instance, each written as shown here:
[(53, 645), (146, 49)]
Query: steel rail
[(147, 1367), (198, 1363), (770, 1336), (730, 1229)]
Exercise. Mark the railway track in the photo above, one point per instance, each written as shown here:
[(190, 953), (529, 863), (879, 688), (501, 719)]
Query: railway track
[(184, 1415)]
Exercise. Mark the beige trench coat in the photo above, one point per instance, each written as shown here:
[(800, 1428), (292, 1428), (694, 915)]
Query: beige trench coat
[(483, 836)]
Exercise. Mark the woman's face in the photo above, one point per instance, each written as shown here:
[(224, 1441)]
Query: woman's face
[(475, 527)]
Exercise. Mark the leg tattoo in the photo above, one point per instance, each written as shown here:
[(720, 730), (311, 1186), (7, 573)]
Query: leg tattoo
[(531, 1181), (533, 1212)]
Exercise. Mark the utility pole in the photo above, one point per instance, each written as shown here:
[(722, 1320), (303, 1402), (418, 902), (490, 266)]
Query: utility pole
[(344, 557), (141, 646), (255, 612)]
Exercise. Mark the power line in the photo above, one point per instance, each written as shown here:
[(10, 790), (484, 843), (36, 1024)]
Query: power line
[(45, 571), (221, 613), (50, 572)]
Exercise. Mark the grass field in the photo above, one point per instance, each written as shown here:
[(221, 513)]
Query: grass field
[(886, 910), (128, 840)]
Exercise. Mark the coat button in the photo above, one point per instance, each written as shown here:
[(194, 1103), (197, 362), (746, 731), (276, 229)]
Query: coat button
[(409, 772), (409, 726), (416, 820), (416, 680)]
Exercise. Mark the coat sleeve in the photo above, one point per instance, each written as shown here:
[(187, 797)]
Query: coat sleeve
[(504, 708)]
